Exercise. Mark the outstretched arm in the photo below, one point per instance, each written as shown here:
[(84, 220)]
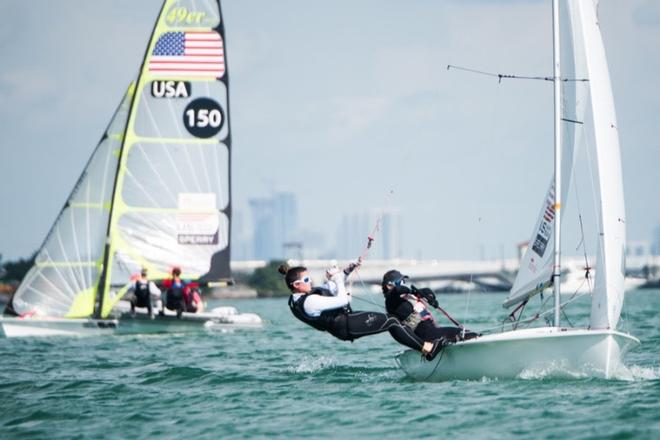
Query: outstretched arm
[(316, 304)]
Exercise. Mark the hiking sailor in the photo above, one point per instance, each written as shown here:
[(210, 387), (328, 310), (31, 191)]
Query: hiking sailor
[(318, 307), (142, 293), (411, 306), (175, 294)]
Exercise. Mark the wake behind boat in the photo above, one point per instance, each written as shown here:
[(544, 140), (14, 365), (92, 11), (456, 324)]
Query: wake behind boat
[(584, 117), (154, 195)]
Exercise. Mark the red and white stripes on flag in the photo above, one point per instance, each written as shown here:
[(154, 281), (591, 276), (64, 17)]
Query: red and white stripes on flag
[(188, 54)]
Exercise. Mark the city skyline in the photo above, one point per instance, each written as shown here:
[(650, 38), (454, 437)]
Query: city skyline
[(350, 120)]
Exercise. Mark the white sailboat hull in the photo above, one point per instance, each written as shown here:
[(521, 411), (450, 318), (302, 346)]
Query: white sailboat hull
[(36, 327), (224, 319), (546, 350)]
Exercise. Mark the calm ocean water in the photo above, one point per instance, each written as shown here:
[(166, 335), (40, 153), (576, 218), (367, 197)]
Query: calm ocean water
[(289, 381)]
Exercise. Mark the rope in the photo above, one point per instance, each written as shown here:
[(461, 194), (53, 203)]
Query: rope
[(364, 286), (372, 237), (501, 76), (535, 317)]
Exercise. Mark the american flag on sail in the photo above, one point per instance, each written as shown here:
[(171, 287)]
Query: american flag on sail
[(188, 54)]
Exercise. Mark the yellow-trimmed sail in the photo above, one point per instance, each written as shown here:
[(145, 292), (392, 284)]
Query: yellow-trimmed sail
[(171, 205), (63, 281)]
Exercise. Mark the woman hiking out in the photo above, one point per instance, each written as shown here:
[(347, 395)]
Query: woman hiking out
[(325, 310)]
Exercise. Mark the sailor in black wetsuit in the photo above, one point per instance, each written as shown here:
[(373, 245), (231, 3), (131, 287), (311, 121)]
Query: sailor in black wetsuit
[(143, 292), (320, 308), (409, 305)]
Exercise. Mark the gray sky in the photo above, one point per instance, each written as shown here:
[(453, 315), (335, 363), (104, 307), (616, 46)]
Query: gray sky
[(340, 102)]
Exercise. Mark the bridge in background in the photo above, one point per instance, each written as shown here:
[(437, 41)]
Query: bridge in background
[(471, 275)]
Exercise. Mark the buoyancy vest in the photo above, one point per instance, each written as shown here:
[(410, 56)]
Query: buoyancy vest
[(175, 294), (142, 290), (323, 322), (401, 303)]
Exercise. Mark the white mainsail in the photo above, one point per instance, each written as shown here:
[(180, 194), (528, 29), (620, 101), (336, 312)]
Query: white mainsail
[(603, 133), (536, 266)]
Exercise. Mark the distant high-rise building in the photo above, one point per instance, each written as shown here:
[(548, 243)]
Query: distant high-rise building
[(274, 221), (390, 232), (355, 228), (241, 237), (656, 241)]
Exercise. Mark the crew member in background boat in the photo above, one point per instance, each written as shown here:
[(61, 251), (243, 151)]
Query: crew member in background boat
[(324, 310), (142, 293), (175, 294), (193, 299), (410, 306)]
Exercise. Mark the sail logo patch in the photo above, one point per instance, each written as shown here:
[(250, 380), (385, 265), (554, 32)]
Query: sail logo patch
[(197, 220), (178, 54), (170, 89), (545, 227)]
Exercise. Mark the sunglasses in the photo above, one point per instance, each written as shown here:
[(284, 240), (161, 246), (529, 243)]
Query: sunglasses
[(400, 282), (305, 280)]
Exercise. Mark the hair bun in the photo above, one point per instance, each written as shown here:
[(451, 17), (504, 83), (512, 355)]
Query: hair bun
[(283, 269)]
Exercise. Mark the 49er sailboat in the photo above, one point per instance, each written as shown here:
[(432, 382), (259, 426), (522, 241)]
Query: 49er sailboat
[(155, 193)]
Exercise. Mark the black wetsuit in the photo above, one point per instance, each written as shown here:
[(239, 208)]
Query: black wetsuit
[(424, 328), (347, 325)]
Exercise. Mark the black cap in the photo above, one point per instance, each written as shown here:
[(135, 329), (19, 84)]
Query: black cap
[(392, 276)]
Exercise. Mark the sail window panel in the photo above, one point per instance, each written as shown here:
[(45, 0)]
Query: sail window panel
[(51, 290), (192, 14), (77, 237), (157, 174), (184, 239), (182, 109)]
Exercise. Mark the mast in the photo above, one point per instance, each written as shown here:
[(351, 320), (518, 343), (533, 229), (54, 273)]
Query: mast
[(556, 275), (104, 280)]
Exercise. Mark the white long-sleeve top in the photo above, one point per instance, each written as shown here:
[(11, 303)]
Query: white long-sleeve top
[(316, 304)]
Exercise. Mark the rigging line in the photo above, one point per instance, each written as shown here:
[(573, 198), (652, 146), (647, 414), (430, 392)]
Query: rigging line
[(582, 242), (364, 286), (442, 353), (367, 301), (467, 303), (371, 238), (501, 76)]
